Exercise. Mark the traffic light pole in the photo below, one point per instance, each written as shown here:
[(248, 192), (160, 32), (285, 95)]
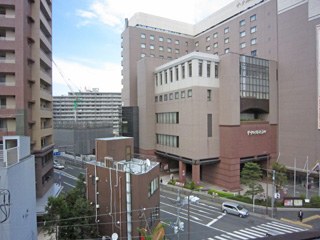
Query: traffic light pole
[(273, 180)]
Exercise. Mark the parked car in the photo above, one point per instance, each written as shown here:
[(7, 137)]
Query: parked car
[(235, 209), (58, 166)]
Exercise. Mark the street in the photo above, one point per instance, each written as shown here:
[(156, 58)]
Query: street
[(208, 222), (206, 219)]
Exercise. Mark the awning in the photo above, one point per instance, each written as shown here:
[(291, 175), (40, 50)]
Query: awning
[(188, 160)]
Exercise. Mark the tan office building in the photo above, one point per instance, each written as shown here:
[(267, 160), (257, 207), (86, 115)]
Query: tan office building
[(26, 80), (252, 94)]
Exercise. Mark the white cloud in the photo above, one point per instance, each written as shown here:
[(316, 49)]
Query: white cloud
[(113, 12), (86, 14), (79, 76)]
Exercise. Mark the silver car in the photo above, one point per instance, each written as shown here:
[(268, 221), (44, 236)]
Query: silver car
[(234, 208)]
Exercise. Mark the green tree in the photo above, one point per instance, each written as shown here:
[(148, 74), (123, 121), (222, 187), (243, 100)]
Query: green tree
[(281, 175), (250, 176), (70, 215)]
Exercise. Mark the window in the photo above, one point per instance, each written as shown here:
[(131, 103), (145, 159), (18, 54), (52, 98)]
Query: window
[(226, 50), (177, 51), (183, 68), (156, 99), (151, 46), (2, 79), (226, 30), (143, 45), (176, 95), (242, 23), (169, 50), (215, 45), (152, 37), (153, 186), (152, 55), (243, 45), (166, 97), (208, 69), (160, 98), (208, 39), (208, 48), (253, 18), (216, 68), (161, 57), (169, 58), (243, 33), (187, 44), (171, 96), (226, 40), (177, 73), (183, 94), (254, 53), (166, 77), (200, 68), (197, 44), (190, 68), (161, 48), (215, 35), (168, 140), (190, 93), (253, 29), (3, 103), (216, 53), (176, 42), (209, 94), (171, 75), (161, 39), (209, 125), (143, 55), (169, 40), (253, 41), (156, 77), (160, 78), (143, 35)]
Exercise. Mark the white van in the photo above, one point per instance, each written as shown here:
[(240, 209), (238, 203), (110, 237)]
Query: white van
[(234, 208)]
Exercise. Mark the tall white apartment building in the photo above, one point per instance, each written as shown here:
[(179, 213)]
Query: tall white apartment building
[(91, 105)]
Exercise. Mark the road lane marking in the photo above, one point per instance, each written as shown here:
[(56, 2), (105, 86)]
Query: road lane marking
[(311, 218), (296, 222), (226, 236), (232, 234), (69, 184), (281, 229), (220, 238), (294, 227), (245, 235), (214, 220), (217, 229), (67, 175), (251, 233), (286, 227), (254, 232)]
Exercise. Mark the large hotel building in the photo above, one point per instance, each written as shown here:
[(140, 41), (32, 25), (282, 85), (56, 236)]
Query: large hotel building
[(26, 81), (241, 85)]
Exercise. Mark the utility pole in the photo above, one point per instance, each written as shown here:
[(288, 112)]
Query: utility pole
[(273, 180), (267, 195)]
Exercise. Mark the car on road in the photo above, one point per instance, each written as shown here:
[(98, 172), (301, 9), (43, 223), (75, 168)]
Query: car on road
[(235, 209), (58, 166)]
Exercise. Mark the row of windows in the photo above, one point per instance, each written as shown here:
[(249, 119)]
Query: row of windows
[(169, 117), (227, 40), (165, 78), (168, 140), (165, 96), (161, 48), (153, 186), (161, 39)]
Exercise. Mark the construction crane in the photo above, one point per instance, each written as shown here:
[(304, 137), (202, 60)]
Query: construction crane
[(72, 92)]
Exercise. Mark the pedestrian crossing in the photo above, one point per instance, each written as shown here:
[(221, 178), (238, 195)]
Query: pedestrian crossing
[(259, 231)]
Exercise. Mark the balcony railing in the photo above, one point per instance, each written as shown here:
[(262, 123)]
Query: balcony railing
[(7, 39), (8, 157), (46, 108), (7, 61), (7, 16), (45, 90)]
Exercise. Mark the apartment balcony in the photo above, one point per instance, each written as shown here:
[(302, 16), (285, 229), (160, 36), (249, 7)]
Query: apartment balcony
[(46, 40), (45, 58), (45, 23), (46, 131), (6, 43), (44, 75), (46, 10), (7, 21), (8, 157)]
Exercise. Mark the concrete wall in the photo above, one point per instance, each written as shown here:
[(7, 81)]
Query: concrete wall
[(298, 134), (22, 223)]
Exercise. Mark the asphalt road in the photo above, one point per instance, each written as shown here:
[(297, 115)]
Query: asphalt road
[(208, 222)]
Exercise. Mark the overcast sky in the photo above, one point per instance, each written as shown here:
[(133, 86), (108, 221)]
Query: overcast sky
[(87, 42)]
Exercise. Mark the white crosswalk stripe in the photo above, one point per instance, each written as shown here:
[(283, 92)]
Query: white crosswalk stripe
[(259, 231)]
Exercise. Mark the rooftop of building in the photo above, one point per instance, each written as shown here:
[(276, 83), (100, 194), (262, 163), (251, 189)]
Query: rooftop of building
[(134, 166), (177, 27), (112, 138)]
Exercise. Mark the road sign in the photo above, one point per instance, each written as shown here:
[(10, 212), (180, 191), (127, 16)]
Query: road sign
[(56, 153)]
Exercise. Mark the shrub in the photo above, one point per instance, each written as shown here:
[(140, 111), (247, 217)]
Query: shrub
[(241, 198), (172, 182), (315, 201), (303, 196)]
